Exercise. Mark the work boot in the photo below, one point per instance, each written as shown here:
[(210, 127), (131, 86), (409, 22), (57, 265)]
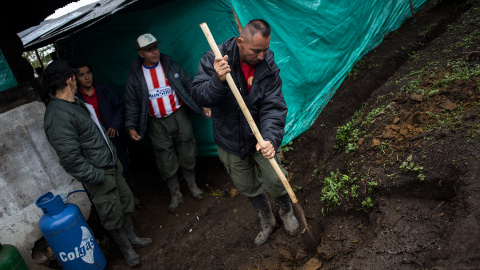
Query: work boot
[(290, 222), (121, 241), (267, 220), (175, 195), (192, 185), (132, 238)]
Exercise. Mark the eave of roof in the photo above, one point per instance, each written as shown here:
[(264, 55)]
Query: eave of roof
[(47, 32)]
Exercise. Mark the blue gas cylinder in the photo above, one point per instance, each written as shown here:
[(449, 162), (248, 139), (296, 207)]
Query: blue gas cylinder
[(68, 234)]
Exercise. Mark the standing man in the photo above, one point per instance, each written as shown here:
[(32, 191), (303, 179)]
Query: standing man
[(110, 111), (88, 155), (256, 74), (157, 92)]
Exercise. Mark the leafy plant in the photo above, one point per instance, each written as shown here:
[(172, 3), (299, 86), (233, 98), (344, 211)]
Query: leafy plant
[(367, 203), (373, 114), (391, 176), (410, 166), (287, 147), (330, 192), (413, 84), (459, 70), (384, 146), (371, 186), (354, 189), (414, 55), (347, 137), (339, 186), (426, 29)]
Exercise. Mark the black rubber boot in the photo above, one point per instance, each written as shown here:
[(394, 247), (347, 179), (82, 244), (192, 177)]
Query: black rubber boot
[(120, 239), (132, 238), (192, 184), (176, 195), (290, 222), (267, 220)]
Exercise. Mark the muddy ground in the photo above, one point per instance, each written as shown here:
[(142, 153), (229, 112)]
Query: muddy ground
[(404, 193)]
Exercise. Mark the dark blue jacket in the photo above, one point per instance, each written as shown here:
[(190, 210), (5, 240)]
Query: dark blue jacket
[(265, 101), (112, 111)]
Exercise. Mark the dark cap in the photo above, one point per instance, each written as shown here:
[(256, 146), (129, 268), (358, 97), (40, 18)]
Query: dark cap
[(58, 70)]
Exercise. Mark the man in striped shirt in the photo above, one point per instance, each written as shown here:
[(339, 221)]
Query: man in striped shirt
[(157, 93)]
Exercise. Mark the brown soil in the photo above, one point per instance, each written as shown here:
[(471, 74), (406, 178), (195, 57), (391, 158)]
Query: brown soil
[(426, 216)]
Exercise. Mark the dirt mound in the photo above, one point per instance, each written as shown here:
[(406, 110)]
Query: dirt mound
[(406, 158), (388, 172)]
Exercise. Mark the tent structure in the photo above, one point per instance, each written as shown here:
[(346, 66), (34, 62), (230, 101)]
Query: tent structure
[(316, 43)]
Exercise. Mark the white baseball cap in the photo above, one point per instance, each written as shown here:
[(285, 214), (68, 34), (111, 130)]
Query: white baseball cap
[(146, 41)]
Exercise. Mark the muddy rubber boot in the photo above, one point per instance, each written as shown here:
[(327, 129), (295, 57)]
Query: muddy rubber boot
[(132, 238), (121, 241), (175, 195), (267, 220), (290, 222), (192, 185)]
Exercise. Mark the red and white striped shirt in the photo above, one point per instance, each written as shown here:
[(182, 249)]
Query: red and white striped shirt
[(162, 98)]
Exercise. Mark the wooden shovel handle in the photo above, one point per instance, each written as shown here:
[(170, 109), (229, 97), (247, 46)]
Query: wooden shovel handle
[(246, 112)]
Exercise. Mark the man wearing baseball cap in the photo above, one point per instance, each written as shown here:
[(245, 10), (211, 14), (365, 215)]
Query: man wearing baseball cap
[(157, 93), (86, 153)]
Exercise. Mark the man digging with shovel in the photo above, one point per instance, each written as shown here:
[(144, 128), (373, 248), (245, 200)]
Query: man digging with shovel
[(256, 74)]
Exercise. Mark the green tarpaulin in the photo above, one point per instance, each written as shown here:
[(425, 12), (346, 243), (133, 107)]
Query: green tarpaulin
[(7, 80), (316, 43), (110, 47)]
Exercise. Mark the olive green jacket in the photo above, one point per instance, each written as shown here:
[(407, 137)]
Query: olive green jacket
[(83, 150)]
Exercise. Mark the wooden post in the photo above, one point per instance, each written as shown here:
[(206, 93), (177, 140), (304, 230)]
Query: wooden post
[(237, 21), (39, 59), (411, 6)]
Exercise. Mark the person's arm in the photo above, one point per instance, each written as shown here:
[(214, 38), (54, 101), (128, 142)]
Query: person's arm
[(273, 113), (187, 84), (132, 105), (118, 112), (64, 139), (184, 77), (207, 89)]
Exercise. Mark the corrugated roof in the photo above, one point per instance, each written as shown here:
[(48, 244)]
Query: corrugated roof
[(18, 15), (47, 32)]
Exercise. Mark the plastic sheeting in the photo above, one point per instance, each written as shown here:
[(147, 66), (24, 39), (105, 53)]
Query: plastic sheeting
[(7, 80), (110, 47), (316, 43)]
